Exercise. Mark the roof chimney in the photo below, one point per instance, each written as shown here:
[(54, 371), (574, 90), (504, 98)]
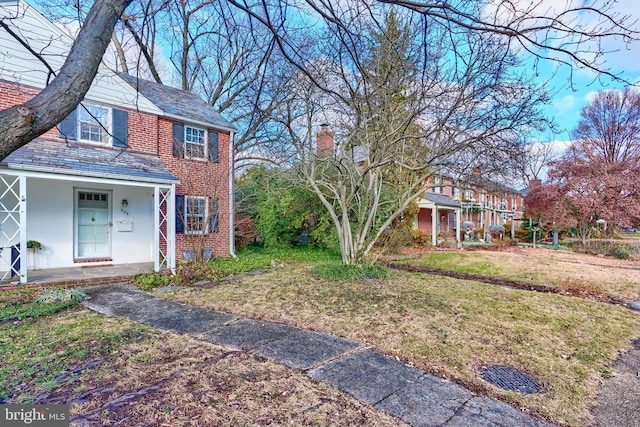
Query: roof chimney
[(324, 140)]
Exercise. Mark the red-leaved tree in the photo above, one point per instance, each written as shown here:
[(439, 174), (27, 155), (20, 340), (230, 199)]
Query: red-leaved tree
[(579, 192)]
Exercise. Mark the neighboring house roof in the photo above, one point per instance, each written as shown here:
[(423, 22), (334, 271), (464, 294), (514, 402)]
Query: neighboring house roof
[(179, 103), (44, 155), (489, 184), (441, 200)]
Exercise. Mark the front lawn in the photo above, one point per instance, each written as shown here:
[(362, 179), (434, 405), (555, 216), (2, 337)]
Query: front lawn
[(452, 328), (614, 277), (117, 372)]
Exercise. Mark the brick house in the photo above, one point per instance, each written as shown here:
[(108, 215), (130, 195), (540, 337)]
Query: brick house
[(138, 173), (449, 203)]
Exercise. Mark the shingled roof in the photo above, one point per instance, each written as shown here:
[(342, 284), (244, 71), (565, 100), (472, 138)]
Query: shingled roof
[(177, 102), (52, 156), (441, 200)]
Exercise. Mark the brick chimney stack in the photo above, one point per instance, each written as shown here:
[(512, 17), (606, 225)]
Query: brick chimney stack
[(324, 140)]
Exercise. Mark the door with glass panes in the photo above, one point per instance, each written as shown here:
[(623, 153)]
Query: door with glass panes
[(93, 224)]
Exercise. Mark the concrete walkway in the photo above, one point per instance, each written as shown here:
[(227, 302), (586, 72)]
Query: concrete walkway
[(410, 394)]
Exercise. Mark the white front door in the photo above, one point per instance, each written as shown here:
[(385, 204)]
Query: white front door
[(93, 224)]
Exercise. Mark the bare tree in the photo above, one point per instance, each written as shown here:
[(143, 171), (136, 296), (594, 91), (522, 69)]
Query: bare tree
[(566, 35), (410, 106), (535, 159), (609, 127)]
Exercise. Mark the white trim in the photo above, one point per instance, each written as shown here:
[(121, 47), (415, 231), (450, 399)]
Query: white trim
[(156, 229), (185, 120), (232, 231), (106, 129), (171, 229), (205, 143), (23, 229), (18, 169)]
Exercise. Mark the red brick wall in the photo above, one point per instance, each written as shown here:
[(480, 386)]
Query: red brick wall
[(149, 133), (143, 127), (200, 178), (15, 94), (143, 132)]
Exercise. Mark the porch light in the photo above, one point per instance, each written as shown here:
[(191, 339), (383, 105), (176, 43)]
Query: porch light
[(124, 203)]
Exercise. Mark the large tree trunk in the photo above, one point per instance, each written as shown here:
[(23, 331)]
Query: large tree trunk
[(22, 123)]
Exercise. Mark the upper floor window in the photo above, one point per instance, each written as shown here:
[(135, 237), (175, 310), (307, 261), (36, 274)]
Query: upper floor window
[(96, 124), (195, 143)]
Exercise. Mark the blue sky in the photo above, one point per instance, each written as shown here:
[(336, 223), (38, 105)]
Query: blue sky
[(567, 101), (566, 104)]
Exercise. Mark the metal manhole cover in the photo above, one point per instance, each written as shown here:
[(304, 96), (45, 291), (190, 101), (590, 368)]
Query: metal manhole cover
[(510, 379)]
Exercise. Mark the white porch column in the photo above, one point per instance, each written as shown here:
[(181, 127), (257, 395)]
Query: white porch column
[(171, 229), (156, 229), (458, 233), (434, 225), (23, 229)]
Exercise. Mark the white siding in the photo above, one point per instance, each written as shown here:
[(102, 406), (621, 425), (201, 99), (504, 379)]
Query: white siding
[(50, 221), (17, 64)]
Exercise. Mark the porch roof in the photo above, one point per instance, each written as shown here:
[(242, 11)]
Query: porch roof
[(440, 200), (46, 155)]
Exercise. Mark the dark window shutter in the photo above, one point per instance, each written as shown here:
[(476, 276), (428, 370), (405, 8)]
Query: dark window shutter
[(214, 216), (212, 137), (180, 213), (68, 128), (120, 128), (178, 140)]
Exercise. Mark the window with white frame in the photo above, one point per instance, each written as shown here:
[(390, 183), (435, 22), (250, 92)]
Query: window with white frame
[(195, 214), (93, 122), (194, 142)]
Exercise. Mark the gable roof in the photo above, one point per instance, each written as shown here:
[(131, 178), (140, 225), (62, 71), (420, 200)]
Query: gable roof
[(46, 155), (178, 103)]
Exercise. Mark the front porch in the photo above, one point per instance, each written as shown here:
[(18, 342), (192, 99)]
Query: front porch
[(88, 207), (80, 276)]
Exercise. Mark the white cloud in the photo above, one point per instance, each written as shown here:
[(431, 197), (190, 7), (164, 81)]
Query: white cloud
[(564, 105)]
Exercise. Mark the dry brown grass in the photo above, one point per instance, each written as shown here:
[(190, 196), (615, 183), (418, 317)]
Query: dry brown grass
[(163, 379), (204, 384), (449, 327), (615, 277)]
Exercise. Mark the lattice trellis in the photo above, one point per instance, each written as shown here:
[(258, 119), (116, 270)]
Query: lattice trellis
[(10, 226), (165, 240)]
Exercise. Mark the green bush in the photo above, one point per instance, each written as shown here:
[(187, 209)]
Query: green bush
[(50, 301), (604, 247), (340, 271), (191, 272), (60, 294), (149, 281)]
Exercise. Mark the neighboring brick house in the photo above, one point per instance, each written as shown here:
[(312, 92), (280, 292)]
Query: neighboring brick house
[(449, 203), (138, 173)]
